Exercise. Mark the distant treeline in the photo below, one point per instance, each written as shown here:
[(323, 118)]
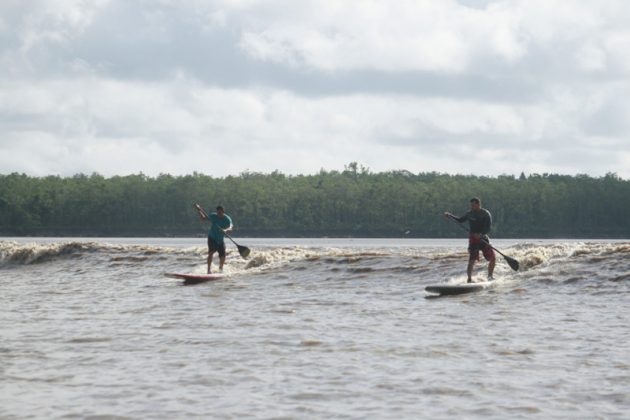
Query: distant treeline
[(353, 202)]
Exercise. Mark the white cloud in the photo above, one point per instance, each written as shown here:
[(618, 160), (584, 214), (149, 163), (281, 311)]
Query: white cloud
[(591, 58), (398, 36), (226, 85), (442, 36), (114, 127)]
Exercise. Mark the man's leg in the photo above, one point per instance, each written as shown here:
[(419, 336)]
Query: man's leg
[(473, 256), (491, 265), (210, 261), (488, 254), (469, 270), (221, 252)]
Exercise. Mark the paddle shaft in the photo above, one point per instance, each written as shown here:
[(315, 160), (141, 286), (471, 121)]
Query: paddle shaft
[(230, 238)]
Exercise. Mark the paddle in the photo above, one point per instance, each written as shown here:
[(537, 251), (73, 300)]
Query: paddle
[(243, 250), (514, 264)]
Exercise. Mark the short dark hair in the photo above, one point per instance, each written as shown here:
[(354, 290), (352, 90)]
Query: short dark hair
[(475, 200), (220, 208)]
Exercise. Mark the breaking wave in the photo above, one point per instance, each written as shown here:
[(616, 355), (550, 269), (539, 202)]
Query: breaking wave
[(34, 253), (537, 261)]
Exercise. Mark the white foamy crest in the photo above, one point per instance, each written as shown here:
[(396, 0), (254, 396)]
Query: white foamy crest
[(32, 253), (12, 252), (268, 259), (531, 255)]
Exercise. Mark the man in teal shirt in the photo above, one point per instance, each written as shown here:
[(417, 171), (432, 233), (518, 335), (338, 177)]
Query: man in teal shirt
[(221, 223)]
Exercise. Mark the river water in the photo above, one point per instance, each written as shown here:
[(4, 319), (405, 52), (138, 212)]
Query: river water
[(312, 328)]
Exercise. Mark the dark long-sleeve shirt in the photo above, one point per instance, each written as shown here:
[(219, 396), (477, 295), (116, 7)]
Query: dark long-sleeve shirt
[(480, 221)]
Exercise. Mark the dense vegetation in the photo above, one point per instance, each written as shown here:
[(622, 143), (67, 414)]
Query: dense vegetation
[(353, 202)]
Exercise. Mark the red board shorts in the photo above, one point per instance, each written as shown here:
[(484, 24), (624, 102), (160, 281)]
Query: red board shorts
[(215, 247), (475, 245)]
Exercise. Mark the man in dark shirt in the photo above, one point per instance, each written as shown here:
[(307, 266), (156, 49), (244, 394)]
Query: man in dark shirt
[(480, 222)]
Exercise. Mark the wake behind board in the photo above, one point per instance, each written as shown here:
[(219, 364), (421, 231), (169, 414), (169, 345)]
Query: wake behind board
[(190, 279), (457, 289)]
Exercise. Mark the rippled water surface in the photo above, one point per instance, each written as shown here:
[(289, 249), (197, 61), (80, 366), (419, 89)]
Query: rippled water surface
[(312, 329)]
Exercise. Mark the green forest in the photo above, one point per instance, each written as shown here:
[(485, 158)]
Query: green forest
[(350, 203)]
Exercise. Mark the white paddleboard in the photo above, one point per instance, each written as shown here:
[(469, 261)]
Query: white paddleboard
[(458, 289)]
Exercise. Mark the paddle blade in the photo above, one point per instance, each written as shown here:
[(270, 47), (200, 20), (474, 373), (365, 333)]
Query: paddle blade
[(512, 262), (243, 250)]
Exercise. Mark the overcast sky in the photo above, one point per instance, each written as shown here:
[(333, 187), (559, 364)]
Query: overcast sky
[(223, 86)]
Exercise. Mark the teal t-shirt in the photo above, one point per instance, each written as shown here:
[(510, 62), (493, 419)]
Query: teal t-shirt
[(215, 233)]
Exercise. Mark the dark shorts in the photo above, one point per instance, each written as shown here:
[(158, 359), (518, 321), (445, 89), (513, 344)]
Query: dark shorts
[(476, 245), (215, 247)]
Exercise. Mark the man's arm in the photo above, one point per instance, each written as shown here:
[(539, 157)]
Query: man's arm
[(229, 228), (457, 219), (487, 223), (202, 213)]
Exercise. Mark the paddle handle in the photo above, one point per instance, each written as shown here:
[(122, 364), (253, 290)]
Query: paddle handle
[(202, 213)]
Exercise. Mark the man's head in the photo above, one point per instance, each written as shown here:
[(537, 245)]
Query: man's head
[(475, 203), (220, 211)]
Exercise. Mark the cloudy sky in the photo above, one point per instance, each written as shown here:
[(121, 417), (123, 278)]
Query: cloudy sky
[(223, 86)]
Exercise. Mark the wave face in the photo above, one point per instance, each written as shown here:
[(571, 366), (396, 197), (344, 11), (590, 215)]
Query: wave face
[(316, 328), (577, 260), (35, 253)]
